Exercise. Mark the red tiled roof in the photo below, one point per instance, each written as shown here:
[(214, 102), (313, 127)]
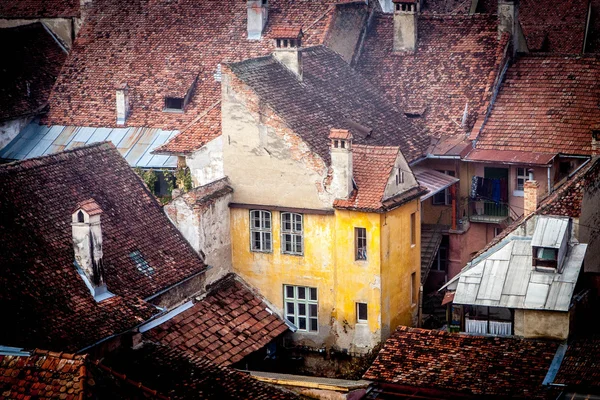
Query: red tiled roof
[(456, 61), (339, 134), (46, 302), (557, 28), (371, 169), (30, 63), (510, 156), (89, 206), (331, 95), (547, 104), (43, 375), (227, 325), (178, 375), (39, 8), (478, 365), (286, 32), (155, 46), (579, 367)]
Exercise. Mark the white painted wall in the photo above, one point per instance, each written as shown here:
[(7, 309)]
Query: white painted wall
[(206, 164)]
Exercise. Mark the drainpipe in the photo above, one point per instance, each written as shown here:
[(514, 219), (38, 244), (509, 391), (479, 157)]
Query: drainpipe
[(420, 312), (549, 185)]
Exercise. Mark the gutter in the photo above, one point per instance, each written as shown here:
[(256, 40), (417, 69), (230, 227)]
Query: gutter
[(555, 366), (166, 317)]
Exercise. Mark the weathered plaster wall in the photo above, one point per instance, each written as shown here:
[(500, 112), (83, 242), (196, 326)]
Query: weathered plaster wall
[(346, 30), (61, 27), (542, 324), (399, 259), (431, 213), (205, 225), (400, 166), (268, 272), (464, 245), (206, 164), (10, 129), (278, 166)]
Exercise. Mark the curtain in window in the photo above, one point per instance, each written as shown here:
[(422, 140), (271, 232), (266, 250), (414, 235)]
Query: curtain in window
[(476, 326), (500, 328)]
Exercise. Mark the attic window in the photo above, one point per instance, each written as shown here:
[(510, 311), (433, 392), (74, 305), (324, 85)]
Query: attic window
[(141, 264), (173, 104), (399, 177), (545, 257), (80, 217)]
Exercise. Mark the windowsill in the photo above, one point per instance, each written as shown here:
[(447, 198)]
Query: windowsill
[(292, 254), (518, 193), (362, 323), (262, 251), (173, 110)]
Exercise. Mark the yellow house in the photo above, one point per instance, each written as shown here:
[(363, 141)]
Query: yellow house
[(325, 215)]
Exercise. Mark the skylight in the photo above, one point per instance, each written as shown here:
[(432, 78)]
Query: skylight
[(141, 264)]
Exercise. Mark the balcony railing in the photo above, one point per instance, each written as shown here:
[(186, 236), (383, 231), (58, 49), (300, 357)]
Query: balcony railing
[(488, 211)]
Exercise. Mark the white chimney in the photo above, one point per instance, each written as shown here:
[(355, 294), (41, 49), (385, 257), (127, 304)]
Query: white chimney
[(405, 25), (258, 12), (122, 96), (87, 244), (288, 48), (508, 21), (341, 163)]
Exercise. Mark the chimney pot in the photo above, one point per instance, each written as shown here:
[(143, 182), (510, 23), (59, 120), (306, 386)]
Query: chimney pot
[(288, 48), (341, 163), (405, 25)]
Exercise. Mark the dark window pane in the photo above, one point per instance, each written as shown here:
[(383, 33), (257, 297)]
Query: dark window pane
[(314, 325), (291, 319), (312, 309), (289, 292), (290, 308), (362, 311), (301, 292), (301, 309), (267, 241), (302, 323), (313, 294)]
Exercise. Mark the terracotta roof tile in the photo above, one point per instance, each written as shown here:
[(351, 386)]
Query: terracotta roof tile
[(210, 325), (456, 61), (178, 375), (547, 104), (579, 367), (286, 32), (156, 46), (478, 365), (45, 300), (331, 95), (43, 375), (39, 8), (30, 63)]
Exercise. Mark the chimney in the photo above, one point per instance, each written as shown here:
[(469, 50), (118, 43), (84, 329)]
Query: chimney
[(596, 140), (405, 25), (341, 163), (258, 11), (122, 103), (508, 21), (288, 48), (530, 189), (87, 243)]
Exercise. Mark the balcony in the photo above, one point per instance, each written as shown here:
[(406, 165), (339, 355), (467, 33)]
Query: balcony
[(488, 211)]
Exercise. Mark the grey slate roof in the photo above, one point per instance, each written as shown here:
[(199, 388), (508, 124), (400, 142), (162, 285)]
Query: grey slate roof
[(330, 95)]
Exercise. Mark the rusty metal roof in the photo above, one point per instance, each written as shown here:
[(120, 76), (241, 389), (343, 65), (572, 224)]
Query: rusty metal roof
[(134, 144), (510, 157), (433, 180)]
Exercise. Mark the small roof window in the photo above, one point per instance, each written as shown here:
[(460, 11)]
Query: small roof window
[(173, 104), (141, 264)]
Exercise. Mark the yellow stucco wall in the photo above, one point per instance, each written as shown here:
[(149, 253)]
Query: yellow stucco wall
[(536, 324), (329, 265)]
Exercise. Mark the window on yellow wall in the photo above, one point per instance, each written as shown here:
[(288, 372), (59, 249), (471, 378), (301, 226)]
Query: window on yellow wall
[(292, 240), (361, 312), (301, 307), (413, 228), (260, 231), (414, 290), (360, 243)]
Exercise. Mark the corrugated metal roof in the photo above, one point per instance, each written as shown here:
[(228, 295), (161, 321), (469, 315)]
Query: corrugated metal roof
[(506, 277), (134, 144), (433, 180), (549, 231), (510, 157)]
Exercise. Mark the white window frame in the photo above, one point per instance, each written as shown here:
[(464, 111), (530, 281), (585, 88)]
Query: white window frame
[(292, 234), (301, 305), (524, 177), (264, 230), (358, 318), (360, 252), (447, 194)]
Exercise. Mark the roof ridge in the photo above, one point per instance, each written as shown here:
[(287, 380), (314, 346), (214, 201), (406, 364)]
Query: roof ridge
[(64, 155)]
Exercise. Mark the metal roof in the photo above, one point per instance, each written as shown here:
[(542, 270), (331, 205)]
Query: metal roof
[(134, 144), (549, 231), (506, 278), (433, 180)]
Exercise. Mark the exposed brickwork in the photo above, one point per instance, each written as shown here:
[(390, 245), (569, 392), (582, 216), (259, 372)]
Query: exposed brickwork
[(457, 61), (531, 189), (478, 365), (547, 104), (227, 325), (178, 375), (30, 63), (331, 95), (39, 9), (46, 302), (43, 375)]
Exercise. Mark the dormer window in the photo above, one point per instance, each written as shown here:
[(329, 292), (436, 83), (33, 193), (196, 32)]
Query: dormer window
[(80, 217), (173, 104), (545, 257)]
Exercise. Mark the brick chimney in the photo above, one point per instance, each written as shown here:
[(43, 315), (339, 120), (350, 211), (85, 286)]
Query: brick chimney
[(87, 244), (341, 163), (122, 96), (531, 193), (258, 12), (405, 25), (288, 48)]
